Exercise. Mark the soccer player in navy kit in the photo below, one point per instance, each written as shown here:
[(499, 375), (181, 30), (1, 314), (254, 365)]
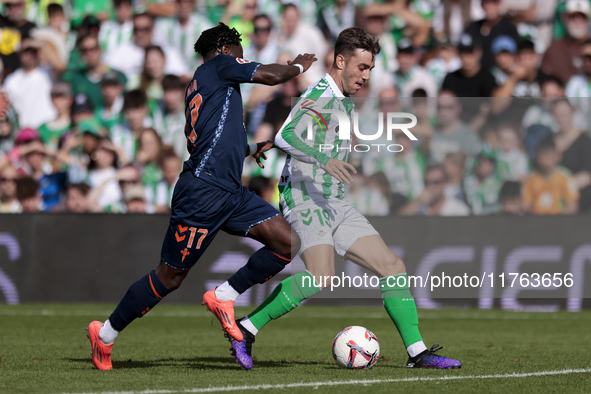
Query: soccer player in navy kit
[(209, 195)]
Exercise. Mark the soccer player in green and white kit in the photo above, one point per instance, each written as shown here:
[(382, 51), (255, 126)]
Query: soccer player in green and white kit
[(312, 201)]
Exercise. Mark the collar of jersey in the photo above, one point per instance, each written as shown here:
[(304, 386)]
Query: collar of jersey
[(333, 85)]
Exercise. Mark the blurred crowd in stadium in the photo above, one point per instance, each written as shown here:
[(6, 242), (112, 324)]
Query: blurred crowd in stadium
[(93, 100)]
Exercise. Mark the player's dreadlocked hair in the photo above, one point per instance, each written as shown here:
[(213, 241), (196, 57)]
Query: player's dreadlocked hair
[(215, 38)]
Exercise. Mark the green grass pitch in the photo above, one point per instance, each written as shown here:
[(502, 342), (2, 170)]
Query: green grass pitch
[(44, 349)]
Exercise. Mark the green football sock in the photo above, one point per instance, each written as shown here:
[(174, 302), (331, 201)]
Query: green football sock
[(401, 308), (286, 297)]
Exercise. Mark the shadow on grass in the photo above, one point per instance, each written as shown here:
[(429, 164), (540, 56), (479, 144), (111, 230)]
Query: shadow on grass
[(220, 363), (391, 366)]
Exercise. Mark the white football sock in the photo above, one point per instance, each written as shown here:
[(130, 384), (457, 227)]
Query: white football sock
[(246, 323), (108, 334), (226, 292), (416, 348)]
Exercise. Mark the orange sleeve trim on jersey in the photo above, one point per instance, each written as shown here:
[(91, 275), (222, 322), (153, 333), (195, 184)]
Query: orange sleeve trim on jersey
[(153, 288), (280, 256)]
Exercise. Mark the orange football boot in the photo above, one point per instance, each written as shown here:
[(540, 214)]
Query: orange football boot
[(101, 353), (224, 311)]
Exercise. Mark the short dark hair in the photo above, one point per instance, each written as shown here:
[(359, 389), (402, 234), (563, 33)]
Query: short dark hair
[(117, 3), (54, 8), (437, 167), (288, 6), (83, 188), (546, 144), (172, 82), (166, 153), (215, 38), (262, 16), (526, 45), (26, 187), (510, 189), (419, 93), (134, 99), (355, 38), (552, 79)]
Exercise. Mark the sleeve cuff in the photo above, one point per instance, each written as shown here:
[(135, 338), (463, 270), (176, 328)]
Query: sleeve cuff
[(323, 159), (254, 71)]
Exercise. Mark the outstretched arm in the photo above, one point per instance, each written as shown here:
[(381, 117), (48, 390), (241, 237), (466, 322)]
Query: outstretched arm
[(274, 74)]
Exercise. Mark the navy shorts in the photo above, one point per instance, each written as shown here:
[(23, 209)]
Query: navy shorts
[(200, 210)]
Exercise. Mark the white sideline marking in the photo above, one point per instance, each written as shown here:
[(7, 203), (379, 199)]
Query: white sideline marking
[(346, 382)]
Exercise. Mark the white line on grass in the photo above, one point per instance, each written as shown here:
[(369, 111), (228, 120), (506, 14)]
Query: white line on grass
[(347, 382)]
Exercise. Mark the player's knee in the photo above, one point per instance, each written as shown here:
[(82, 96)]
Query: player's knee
[(296, 243), (174, 283), (397, 264), (392, 265), (285, 244), (323, 278), (170, 277)]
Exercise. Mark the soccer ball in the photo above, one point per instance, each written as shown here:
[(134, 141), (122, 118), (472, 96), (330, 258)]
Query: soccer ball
[(355, 348)]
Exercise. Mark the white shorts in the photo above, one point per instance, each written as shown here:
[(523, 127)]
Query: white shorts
[(331, 222)]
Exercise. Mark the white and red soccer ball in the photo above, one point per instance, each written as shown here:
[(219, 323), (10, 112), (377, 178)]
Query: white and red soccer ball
[(355, 348)]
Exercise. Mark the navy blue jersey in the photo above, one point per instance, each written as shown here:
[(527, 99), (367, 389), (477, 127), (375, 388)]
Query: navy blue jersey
[(215, 132)]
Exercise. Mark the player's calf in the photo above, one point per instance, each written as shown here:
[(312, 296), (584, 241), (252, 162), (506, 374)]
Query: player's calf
[(140, 298), (261, 266)]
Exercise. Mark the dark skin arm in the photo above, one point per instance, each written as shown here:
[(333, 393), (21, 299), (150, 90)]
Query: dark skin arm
[(274, 74), (269, 74)]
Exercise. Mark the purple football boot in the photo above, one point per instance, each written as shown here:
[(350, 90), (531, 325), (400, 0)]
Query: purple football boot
[(241, 350), (428, 359)]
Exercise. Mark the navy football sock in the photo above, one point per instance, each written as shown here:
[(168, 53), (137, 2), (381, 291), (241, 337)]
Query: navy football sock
[(262, 266), (142, 296)]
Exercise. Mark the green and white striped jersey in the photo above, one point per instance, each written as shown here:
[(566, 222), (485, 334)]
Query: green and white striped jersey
[(308, 10), (304, 178), (512, 165), (169, 32), (578, 86), (483, 196), (123, 137), (159, 194), (404, 175), (578, 91), (112, 34), (170, 128)]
